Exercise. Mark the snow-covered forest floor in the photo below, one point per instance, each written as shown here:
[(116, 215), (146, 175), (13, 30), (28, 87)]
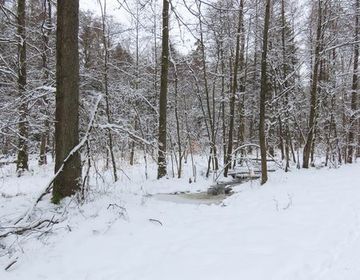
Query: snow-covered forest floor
[(301, 225)]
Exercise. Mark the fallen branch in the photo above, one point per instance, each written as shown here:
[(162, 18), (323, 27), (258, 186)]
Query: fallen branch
[(10, 265), (156, 221), (36, 226)]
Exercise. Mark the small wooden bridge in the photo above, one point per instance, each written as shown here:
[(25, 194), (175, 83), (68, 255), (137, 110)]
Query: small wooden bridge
[(246, 164), (250, 168)]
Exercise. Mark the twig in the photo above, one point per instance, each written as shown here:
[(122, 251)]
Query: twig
[(10, 264), (156, 221), (113, 205), (289, 203), (122, 213)]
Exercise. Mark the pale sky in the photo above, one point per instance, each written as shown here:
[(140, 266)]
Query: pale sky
[(112, 8), (179, 34)]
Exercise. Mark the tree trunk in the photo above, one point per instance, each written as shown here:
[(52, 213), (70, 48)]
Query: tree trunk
[(22, 157), (285, 70), (354, 88), (223, 120), (46, 31), (67, 100), (313, 92), (210, 108), (163, 91), (234, 89), (263, 94), (137, 77), (177, 119), (106, 86), (132, 145)]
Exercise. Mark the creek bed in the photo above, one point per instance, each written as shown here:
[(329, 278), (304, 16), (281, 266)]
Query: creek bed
[(191, 198)]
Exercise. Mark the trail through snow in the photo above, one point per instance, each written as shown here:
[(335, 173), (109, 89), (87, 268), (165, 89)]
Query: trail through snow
[(301, 225)]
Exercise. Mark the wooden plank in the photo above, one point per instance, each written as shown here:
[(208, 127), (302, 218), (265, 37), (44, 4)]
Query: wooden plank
[(234, 172)]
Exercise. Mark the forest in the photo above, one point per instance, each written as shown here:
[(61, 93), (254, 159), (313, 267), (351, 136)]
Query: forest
[(116, 104)]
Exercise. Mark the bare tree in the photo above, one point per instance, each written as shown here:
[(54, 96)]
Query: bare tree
[(234, 86), (163, 91), (22, 157), (263, 94), (313, 90), (46, 28), (354, 89), (105, 42)]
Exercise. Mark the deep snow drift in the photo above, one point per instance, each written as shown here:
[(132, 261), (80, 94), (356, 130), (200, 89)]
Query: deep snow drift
[(301, 225)]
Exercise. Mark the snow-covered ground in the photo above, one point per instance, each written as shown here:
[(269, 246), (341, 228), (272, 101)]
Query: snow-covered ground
[(301, 225)]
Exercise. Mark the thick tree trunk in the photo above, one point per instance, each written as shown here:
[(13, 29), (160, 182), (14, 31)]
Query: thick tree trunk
[(263, 94), (163, 91), (22, 157), (67, 100)]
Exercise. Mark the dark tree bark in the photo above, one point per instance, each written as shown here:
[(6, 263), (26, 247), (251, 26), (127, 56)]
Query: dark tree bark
[(67, 100), (163, 91), (313, 90), (22, 157), (354, 88), (263, 94)]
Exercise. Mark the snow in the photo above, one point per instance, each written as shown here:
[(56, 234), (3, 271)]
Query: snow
[(301, 225)]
